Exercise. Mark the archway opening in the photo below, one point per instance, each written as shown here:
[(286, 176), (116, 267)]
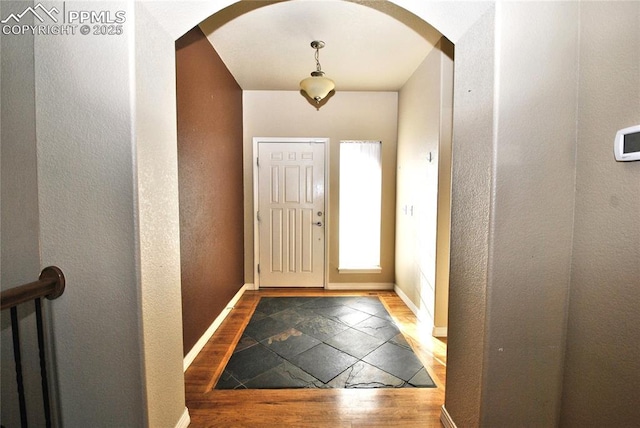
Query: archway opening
[(164, 25)]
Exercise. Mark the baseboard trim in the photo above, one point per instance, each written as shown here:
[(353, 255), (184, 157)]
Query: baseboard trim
[(435, 331), (439, 331), (406, 301), (360, 286), (193, 353), (185, 419), (446, 419)]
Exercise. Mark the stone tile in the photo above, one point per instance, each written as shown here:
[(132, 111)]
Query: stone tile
[(354, 342), (384, 315), (244, 343), (251, 362), (370, 305), (396, 360), (349, 300), (284, 375), (323, 362), (285, 331), (364, 300), (422, 380), (227, 381), (363, 375), (302, 301), (321, 328), (293, 316), (332, 312), (354, 317), (343, 314), (271, 305), (257, 315), (325, 302), (400, 340), (290, 343), (263, 328), (377, 327)]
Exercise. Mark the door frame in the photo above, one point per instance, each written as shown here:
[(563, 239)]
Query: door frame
[(256, 232)]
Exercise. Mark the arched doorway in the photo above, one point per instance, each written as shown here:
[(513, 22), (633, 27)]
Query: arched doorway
[(157, 28)]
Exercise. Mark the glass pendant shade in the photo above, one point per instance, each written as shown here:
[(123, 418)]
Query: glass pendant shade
[(317, 86)]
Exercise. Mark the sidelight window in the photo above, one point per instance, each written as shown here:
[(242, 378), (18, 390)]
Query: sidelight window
[(360, 206)]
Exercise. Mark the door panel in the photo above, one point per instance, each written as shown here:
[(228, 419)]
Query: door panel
[(291, 214)]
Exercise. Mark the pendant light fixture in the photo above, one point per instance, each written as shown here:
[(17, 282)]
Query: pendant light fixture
[(317, 86)]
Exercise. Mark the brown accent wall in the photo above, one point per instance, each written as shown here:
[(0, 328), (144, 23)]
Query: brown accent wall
[(210, 183)]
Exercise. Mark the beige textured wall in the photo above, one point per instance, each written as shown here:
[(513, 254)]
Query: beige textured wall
[(19, 251), (87, 222), (418, 181), (157, 211), (443, 243), (602, 368), (532, 212), (470, 208), (346, 116), (417, 187)]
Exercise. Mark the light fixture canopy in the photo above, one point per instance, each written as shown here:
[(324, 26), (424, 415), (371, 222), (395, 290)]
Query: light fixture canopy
[(317, 86)]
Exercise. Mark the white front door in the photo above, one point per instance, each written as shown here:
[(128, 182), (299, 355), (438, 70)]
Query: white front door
[(291, 214)]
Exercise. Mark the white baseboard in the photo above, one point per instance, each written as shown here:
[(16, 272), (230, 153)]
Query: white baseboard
[(185, 420), (193, 353), (439, 331), (435, 331), (446, 419), (360, 286), (406, 300)]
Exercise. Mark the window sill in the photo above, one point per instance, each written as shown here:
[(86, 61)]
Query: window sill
[(374, 269)]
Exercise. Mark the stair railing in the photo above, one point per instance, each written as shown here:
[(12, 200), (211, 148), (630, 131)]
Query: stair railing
[(51, 285)]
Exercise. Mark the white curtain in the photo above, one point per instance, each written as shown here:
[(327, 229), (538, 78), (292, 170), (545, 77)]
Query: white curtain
[(360, 204)]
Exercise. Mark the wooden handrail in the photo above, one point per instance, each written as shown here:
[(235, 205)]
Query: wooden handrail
[(50, 285)]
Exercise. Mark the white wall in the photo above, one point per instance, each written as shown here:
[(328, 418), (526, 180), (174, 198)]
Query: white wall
[(345, 116)]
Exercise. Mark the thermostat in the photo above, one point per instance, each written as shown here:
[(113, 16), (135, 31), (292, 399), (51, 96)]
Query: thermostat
[(627, 144)]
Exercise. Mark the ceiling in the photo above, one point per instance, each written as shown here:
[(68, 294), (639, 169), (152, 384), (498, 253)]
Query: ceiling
[(370, 45)]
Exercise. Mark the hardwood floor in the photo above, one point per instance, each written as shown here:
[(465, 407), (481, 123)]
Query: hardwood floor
[(406, 407)]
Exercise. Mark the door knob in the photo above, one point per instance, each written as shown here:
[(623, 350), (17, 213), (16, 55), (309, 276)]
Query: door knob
[(319, 223)]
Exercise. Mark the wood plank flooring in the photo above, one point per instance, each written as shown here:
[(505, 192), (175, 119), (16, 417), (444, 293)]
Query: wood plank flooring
[(406, 407)]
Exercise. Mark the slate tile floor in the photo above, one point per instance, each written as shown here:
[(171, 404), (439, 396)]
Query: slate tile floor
[(322, 342)]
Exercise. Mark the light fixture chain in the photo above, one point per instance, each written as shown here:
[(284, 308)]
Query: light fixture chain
[(318, 68)]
